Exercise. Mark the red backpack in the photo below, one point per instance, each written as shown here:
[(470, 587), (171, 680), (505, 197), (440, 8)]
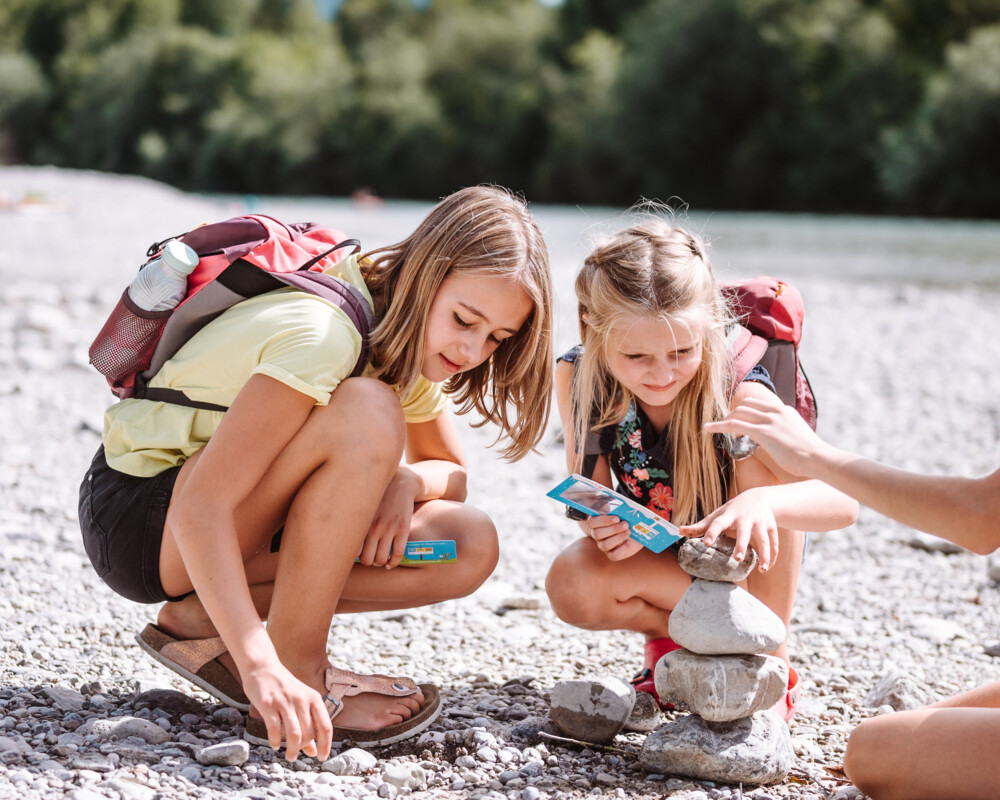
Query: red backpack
[(239, 258), (771, 314)]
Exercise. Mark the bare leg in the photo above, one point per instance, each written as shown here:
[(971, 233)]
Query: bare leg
[(375, 588), (944, 750), (590, 591), (311, 488)]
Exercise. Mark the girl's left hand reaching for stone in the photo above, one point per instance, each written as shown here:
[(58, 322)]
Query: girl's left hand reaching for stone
[(749, 520)]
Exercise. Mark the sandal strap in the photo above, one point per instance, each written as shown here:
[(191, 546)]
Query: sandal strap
[(193, 654), (341, 683)]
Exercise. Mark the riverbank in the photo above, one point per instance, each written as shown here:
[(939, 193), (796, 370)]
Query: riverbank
[(904, 372)]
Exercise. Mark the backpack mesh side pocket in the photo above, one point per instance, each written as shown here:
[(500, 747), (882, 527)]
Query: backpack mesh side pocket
[(124, 347)]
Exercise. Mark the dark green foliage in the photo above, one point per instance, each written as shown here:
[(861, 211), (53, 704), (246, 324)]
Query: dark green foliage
[(883, 106)]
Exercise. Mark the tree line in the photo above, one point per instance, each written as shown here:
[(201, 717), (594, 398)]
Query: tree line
[(865, 106)]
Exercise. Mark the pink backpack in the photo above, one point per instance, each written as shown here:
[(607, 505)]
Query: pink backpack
[(239, 258), (771, 313)]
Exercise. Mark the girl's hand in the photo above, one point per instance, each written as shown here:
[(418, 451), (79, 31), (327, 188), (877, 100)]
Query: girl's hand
[(385, 544), (748, 519), (289, 707), (776, 427), (612, 537)]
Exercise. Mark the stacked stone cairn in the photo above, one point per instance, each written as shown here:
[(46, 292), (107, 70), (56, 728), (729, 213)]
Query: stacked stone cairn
[(722, 676)]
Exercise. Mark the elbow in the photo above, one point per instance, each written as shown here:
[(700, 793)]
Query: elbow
[(850, 512), (978, 532), (982, 538), (458, 486)]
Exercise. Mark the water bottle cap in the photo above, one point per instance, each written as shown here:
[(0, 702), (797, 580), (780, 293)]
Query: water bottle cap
[(178, 256)]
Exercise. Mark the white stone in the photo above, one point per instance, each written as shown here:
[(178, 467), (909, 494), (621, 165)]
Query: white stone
[(721, 688), (224, 754), (354, 761), (406, 776), (121, 727), (715, 618)]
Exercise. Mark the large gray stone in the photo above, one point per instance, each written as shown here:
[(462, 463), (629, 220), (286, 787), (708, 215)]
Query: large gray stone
[(715, 563), (592, 710), (898, 690), (715, 618), (721, 688), (755, 750)]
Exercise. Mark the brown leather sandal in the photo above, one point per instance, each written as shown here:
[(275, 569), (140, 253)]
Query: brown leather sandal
[(341, 683), (196, 660)]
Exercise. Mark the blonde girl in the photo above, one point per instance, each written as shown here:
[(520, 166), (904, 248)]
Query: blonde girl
[(652, 369), (259, 513)]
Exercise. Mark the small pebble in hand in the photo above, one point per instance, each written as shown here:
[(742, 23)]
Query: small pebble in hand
[(739, 447)]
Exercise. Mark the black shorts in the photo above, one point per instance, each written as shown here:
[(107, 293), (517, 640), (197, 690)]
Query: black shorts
[(122, 519)]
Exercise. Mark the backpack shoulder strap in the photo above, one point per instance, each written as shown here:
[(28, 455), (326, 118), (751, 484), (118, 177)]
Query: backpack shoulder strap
[(746, 350), (342, 294)]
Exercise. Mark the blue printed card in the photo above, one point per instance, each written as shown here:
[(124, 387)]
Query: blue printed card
[(437, 551), (594, 500)]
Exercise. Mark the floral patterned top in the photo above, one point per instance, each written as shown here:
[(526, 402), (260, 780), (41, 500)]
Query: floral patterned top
[(641, 461)]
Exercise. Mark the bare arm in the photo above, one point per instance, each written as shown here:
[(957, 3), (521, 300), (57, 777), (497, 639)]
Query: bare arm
[(263, 419), (435, 470), (767, 497), (963, 510)]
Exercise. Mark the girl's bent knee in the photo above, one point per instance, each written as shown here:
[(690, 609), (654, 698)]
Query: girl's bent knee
[(864, 761), (366, 411), (572, 591), (482, 554)]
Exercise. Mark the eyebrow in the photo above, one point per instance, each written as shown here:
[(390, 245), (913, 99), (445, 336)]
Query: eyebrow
[(482, 316)]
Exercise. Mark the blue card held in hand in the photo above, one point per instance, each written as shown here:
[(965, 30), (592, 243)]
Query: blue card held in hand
[(593, 499)]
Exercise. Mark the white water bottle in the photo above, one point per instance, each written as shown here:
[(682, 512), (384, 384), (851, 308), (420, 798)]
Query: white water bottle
[(162, 283)]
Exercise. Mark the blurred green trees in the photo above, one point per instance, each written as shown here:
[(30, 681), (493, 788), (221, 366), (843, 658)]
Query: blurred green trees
[(882, 106)]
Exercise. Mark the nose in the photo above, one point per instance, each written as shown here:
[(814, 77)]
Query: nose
[(662, 372), (474, 349)]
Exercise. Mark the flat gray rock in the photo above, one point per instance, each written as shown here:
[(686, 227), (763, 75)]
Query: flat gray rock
[(224, 754), (715, 563), (122, 727), (717, 618), (64, 699), (592, 710), (756, 750), (721, 688)]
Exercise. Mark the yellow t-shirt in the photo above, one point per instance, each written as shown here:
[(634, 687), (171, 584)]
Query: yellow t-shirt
[(299, 339)]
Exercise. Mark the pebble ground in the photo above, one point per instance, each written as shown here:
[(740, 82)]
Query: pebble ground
[(904, 372)]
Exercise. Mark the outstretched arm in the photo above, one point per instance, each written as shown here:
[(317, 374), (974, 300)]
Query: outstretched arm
[(965, 511), (769, 497)]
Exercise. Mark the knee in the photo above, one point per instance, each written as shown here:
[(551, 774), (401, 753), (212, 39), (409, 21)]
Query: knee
[(479, 552), (366, 413), (865, 760), (573, 589)]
